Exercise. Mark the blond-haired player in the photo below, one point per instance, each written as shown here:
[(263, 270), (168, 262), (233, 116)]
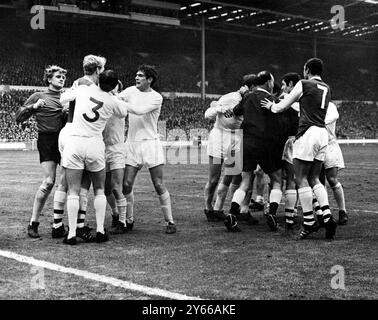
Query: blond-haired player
[(85, 148), (92, 66), (47, 109)]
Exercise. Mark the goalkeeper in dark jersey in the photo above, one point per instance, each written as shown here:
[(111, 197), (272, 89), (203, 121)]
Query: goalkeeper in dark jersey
[(47, 110)]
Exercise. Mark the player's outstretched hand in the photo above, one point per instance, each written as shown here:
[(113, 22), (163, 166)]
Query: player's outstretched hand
[(243, 89), (266, 103), (228, 113)]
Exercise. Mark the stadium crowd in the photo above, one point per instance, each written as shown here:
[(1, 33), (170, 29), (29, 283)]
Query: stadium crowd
[(357, 120), (179, 69)]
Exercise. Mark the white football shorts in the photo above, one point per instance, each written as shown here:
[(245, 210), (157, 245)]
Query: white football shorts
[(224, 144), (334, 157), (63, 137), (287, 154), (84, 153), (115, 156), (148, 153), (312, 145)]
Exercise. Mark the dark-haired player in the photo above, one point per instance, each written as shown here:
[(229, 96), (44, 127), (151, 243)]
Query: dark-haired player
[(47, 109), (143, 146), (290, 121), (310, 144)]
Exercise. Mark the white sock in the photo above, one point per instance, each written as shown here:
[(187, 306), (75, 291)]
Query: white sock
[(233, 188), (338, 193), (72, 211), (305, 197), (221, 196), (238, 197), (121, 205), (99, 204), (130, 207), (322, 197), (260, 199), (165, 203), (290, 200), (59, 202), (275, 196)]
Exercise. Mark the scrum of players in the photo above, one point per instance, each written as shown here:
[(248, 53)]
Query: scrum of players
[(287, 133), (91, 148)]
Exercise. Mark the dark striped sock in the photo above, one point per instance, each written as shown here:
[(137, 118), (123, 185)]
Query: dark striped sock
[(81, 218), (58, 217), (289, 216), (308, 218), (326, 213)]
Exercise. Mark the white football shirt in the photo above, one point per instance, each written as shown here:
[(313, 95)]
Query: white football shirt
[(144, 110), (93, 109)]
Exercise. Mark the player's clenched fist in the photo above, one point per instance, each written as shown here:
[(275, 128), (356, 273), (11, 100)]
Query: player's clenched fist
[(39, 103)]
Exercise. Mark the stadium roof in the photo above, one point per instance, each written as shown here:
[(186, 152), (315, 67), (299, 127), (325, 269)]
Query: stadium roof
[(286, 17)]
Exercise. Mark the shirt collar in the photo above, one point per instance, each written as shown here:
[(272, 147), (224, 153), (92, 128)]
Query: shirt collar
[(263, 90), (316, 78)]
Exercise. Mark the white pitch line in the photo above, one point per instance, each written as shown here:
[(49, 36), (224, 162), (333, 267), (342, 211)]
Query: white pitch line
[(97, 277)]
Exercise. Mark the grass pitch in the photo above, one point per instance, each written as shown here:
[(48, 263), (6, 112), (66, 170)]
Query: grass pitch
[(201, 259)]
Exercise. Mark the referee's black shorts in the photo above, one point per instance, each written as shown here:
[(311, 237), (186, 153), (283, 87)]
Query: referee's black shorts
[(268, 155), (48, 148)]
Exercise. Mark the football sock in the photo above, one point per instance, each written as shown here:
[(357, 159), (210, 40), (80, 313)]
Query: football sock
[(130, 207), (274, 200), (322, 197), (83, 203), (39, 201), (59, 202), (233, 188), (99, 204), (259, 199), (165, 203), (290, 200), (316, 206), (305, 197), (72, 212), (112, 203), (238, 196), (121, 205), (221, 196), (338, 192)]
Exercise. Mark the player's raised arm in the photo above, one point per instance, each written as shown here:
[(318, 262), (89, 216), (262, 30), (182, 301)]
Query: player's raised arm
[(212, 111), (332, 113), (121, 108), (68, 95), (28, 109), (284, 104), (152, 105)]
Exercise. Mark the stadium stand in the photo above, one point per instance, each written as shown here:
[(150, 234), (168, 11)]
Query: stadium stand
[(184, 119)]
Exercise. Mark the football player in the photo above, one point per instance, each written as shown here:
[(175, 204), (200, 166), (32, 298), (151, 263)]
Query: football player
[(47, 109)]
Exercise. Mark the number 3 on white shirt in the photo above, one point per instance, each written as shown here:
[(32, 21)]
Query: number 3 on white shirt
[(325, 91), (99, 104)]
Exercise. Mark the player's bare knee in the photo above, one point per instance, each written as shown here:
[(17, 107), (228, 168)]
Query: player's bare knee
[(159, 187), (332, 181), (48, 183), (127, 187)]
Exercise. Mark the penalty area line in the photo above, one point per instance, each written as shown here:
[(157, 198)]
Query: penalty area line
[(97, 277)]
